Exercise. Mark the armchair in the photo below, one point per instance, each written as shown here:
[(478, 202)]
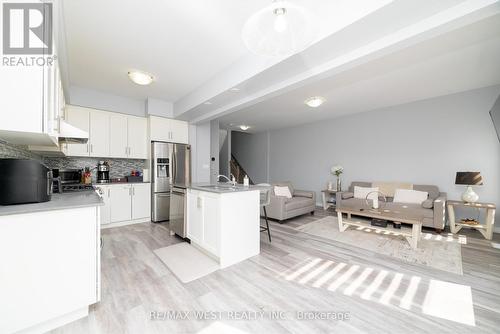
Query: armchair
[(282, 208)]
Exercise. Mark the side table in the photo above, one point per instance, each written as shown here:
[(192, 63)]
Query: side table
[(327, 201), (486, 229)]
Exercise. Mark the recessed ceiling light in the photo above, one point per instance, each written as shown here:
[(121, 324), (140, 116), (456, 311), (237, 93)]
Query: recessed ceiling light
[(208, 103), (234, 89), (140, 78), (244, 127), (315, 101)]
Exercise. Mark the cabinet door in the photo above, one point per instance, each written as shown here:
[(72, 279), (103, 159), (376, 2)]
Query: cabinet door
[(141, 201), (120, 203), (118, 136), (179, 132), (99, 134), (78, 117), (194, 217), (106, 208), (137, 138), (159, 128), (210, 214)]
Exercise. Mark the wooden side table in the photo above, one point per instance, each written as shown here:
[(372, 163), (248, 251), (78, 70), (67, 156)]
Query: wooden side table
[(326, 196), (486, 229)]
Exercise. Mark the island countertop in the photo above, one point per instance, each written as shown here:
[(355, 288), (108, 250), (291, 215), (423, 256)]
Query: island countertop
[(225, 188), (78, 199)]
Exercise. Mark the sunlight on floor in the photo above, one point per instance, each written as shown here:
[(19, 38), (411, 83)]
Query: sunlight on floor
[(428, 296)]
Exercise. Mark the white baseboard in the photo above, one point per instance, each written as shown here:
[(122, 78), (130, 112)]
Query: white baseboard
[(127, 222), (57, 322)]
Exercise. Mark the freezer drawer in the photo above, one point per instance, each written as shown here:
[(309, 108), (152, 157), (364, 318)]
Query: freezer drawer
[(160, 207)]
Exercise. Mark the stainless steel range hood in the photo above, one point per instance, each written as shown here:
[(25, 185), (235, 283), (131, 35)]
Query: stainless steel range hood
[(70, 134)]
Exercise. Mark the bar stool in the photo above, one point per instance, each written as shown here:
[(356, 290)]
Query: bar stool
[(265, 199)]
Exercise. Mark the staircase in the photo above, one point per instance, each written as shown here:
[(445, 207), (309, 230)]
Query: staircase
[(238, 171)]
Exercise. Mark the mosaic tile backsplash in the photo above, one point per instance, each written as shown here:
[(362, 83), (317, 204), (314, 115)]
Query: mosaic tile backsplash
[(16, 152), (118, 167)]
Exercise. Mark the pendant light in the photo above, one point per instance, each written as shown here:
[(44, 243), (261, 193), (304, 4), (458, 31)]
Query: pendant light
[(281, 29)]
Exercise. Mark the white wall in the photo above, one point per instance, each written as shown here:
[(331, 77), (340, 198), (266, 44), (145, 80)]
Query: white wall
[(159, 108), (424, 142), (251, 151), (99, 100)]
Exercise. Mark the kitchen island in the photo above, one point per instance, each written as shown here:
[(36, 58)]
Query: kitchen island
[(223, 221), (50, 255)]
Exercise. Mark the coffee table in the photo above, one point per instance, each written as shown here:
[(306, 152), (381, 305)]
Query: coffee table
[(412, 235)]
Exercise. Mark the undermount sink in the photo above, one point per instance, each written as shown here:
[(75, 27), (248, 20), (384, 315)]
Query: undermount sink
[(220, 187)]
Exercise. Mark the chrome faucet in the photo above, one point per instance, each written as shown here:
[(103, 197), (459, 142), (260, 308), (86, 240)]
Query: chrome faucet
[(228, 179)]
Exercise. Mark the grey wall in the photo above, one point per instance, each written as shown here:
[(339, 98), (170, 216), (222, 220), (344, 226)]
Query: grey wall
[(424, 142), (495, 116), (251, 151), (214, 150), (224, 152), (199, 138)]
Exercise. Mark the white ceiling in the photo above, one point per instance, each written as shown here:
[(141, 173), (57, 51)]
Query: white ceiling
[(460, 60), (182, 43)]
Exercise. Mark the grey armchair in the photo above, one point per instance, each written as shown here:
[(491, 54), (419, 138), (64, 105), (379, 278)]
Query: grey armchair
[(282, 208)]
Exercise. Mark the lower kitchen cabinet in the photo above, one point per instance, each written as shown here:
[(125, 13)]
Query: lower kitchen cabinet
[(141, 200), (125, 202)]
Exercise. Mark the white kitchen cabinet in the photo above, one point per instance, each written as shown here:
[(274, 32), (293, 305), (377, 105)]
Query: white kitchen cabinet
[(179, 132), (104, 192), (120, 203), (141, 200), (118, 136), (99, 134), (224, 225), (80, 118), (168, 130), (50, 268), (137, 130)]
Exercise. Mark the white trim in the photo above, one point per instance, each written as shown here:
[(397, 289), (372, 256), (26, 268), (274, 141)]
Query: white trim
[(56, 322), (127, 222)]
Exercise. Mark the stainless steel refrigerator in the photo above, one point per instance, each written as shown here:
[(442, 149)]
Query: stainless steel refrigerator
[(161, 181), (181, 179)]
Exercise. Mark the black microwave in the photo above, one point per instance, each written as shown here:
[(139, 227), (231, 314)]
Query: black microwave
[(24, 181)]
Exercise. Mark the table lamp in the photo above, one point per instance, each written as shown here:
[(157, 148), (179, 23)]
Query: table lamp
[(469, 179)]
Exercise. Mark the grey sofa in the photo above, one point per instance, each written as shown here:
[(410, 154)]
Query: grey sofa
[(282, 208), (433, 209)]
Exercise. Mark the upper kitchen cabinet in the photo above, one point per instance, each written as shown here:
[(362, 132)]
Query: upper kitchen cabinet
[(30, 84), (96, 123), (168, 130), (111, 135)]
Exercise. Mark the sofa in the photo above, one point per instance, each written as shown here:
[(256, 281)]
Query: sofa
[(281, 208), (432, 209)]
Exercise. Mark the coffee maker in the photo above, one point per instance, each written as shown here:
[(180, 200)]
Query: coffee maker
[(103, 172)]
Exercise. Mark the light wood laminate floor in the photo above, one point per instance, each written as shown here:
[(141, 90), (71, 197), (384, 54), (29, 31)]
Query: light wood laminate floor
[(380, 293)]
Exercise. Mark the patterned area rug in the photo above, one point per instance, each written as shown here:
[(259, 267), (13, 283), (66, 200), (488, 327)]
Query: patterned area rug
[(442, 252)]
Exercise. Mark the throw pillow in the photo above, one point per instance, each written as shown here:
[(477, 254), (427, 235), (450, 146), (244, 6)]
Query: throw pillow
[(347, 195), (428, 203), (282, 191), (410, 196), (362, 192)]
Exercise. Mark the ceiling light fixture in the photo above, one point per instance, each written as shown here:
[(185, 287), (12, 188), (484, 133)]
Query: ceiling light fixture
[(281, 29), (244, 127), (315, 101), (208, 103), (140, 78), (234, 89)]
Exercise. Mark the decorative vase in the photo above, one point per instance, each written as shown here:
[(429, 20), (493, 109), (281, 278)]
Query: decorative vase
[(339, 184)]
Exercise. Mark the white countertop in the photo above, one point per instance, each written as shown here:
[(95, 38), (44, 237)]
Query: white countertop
[(224, 188)]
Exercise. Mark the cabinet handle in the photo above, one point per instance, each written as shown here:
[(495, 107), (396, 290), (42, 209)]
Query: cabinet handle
[(126, 150), (91, 148), (87, 148), (108, 192)]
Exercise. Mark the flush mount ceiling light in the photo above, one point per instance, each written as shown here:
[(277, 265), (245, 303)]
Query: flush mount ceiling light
[(208, 103), (244, 127), (281, 29), (315, 101), (235, 89), (140, 78)]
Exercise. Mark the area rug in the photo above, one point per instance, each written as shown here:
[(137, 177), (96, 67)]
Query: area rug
[(437, 251), (186, 262)]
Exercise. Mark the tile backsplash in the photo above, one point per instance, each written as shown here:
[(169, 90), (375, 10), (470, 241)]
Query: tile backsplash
[(16, 152), (118, 167)]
